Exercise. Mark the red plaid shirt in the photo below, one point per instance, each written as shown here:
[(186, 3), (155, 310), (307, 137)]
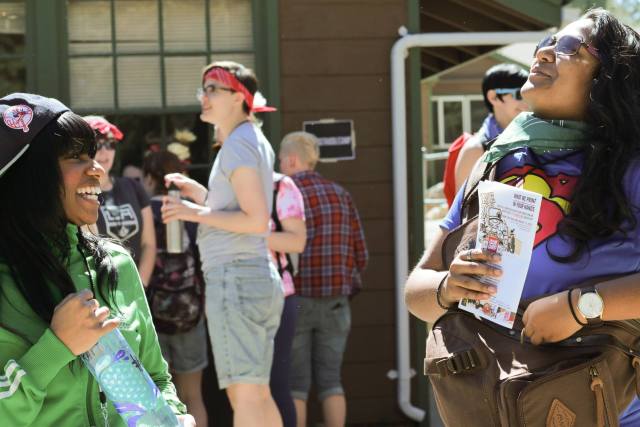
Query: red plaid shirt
[(336, 252)]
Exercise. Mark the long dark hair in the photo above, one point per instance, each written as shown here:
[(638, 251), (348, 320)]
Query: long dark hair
[(157, 165), (600, 206), (34, 243)]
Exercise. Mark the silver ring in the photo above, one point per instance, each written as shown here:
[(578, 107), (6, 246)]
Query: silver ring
[(469, 254)]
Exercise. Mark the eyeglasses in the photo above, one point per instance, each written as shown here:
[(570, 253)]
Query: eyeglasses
[(566, 45), (210, 90), (515, 92), (108, 145)]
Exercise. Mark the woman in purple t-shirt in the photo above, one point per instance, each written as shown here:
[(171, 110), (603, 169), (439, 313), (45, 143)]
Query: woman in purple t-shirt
[(579, 149)]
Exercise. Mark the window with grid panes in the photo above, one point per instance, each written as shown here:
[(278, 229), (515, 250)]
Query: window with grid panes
[(13, 72), (454, 114), (139, 62)]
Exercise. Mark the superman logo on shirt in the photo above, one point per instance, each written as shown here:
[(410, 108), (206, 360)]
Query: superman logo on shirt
[(556, 190)]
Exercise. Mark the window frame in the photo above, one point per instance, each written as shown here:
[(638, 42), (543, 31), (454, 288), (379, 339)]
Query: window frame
[(162, 54), (28, 45), (266, 61), (465, 100)]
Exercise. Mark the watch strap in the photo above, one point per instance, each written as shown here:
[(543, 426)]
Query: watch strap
[(573, 309)]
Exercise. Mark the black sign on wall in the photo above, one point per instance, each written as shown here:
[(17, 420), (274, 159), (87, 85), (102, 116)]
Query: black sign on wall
[(336, 137)]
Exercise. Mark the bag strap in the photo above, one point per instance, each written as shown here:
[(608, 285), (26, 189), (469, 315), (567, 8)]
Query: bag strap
[(587, 336), (467, 361), (274, 206), (481, 171), (460, 362), (278, 225), (585, 339)]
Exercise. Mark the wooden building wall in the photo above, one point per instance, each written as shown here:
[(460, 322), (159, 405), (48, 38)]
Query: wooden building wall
[(335, 64)]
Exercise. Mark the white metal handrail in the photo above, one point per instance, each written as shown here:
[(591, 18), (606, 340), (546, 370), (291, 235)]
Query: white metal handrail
[(399, 53)]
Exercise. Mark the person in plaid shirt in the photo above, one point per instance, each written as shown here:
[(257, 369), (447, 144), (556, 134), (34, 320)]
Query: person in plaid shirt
[(328, 274)]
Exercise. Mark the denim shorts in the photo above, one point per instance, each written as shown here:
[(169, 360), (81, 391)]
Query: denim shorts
[(185, 352), (244, 302), (322, 329)]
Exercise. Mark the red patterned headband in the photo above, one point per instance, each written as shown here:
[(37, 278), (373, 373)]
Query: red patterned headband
[(228, 79), (105, 128)]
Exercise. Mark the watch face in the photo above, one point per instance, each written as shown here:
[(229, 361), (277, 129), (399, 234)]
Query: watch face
[(590, 305)]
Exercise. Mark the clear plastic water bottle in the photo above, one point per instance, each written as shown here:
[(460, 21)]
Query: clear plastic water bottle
[(127, 384), (174, 228)]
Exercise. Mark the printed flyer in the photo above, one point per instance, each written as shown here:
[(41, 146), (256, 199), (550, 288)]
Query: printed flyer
[(507, 224)]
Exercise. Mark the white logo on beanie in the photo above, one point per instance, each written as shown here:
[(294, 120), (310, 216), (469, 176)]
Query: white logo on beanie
[(18, 117)]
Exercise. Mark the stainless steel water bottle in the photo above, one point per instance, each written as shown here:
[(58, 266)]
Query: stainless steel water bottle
[(174, 228)]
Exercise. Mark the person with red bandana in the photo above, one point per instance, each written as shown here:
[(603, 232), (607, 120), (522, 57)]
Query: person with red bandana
[(244, 295), (125, 212)]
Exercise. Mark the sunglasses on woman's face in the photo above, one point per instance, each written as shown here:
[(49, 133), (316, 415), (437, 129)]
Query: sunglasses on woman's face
[(515, 92), (108, 145), (566, 45)]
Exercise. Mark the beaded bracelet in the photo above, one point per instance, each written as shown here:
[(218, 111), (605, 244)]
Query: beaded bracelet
[(438, 291), (573, 310)]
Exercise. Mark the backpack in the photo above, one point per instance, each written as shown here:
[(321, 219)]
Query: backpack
[(278, 224), (489, 374), (176, 288), (449, 178)]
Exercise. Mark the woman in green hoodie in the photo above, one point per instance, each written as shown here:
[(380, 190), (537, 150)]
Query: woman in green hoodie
[(61, 289)]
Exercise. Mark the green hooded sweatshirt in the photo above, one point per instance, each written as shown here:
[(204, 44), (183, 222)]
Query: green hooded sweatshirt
[(41, 382)]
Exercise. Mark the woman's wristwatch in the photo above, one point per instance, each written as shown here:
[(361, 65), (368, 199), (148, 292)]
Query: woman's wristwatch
[(591, 305)]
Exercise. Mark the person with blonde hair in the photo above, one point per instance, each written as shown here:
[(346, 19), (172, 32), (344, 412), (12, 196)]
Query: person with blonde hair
[(304, 145), (328, 275)]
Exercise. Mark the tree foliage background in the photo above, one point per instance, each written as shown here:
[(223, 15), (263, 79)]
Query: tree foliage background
[(628, 11)]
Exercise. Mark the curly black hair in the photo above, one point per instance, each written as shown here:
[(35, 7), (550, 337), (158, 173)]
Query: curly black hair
[(600, 206)]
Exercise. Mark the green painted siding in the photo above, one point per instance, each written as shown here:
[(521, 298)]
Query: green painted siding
[(545, 11), (416, 211), (415, 139), (267, 48), (46, 32)]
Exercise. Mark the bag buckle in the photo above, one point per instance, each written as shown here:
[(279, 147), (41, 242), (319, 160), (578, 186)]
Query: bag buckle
[(457, 363)]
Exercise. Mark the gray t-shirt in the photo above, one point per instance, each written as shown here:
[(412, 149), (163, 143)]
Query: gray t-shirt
[(246, 146)]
